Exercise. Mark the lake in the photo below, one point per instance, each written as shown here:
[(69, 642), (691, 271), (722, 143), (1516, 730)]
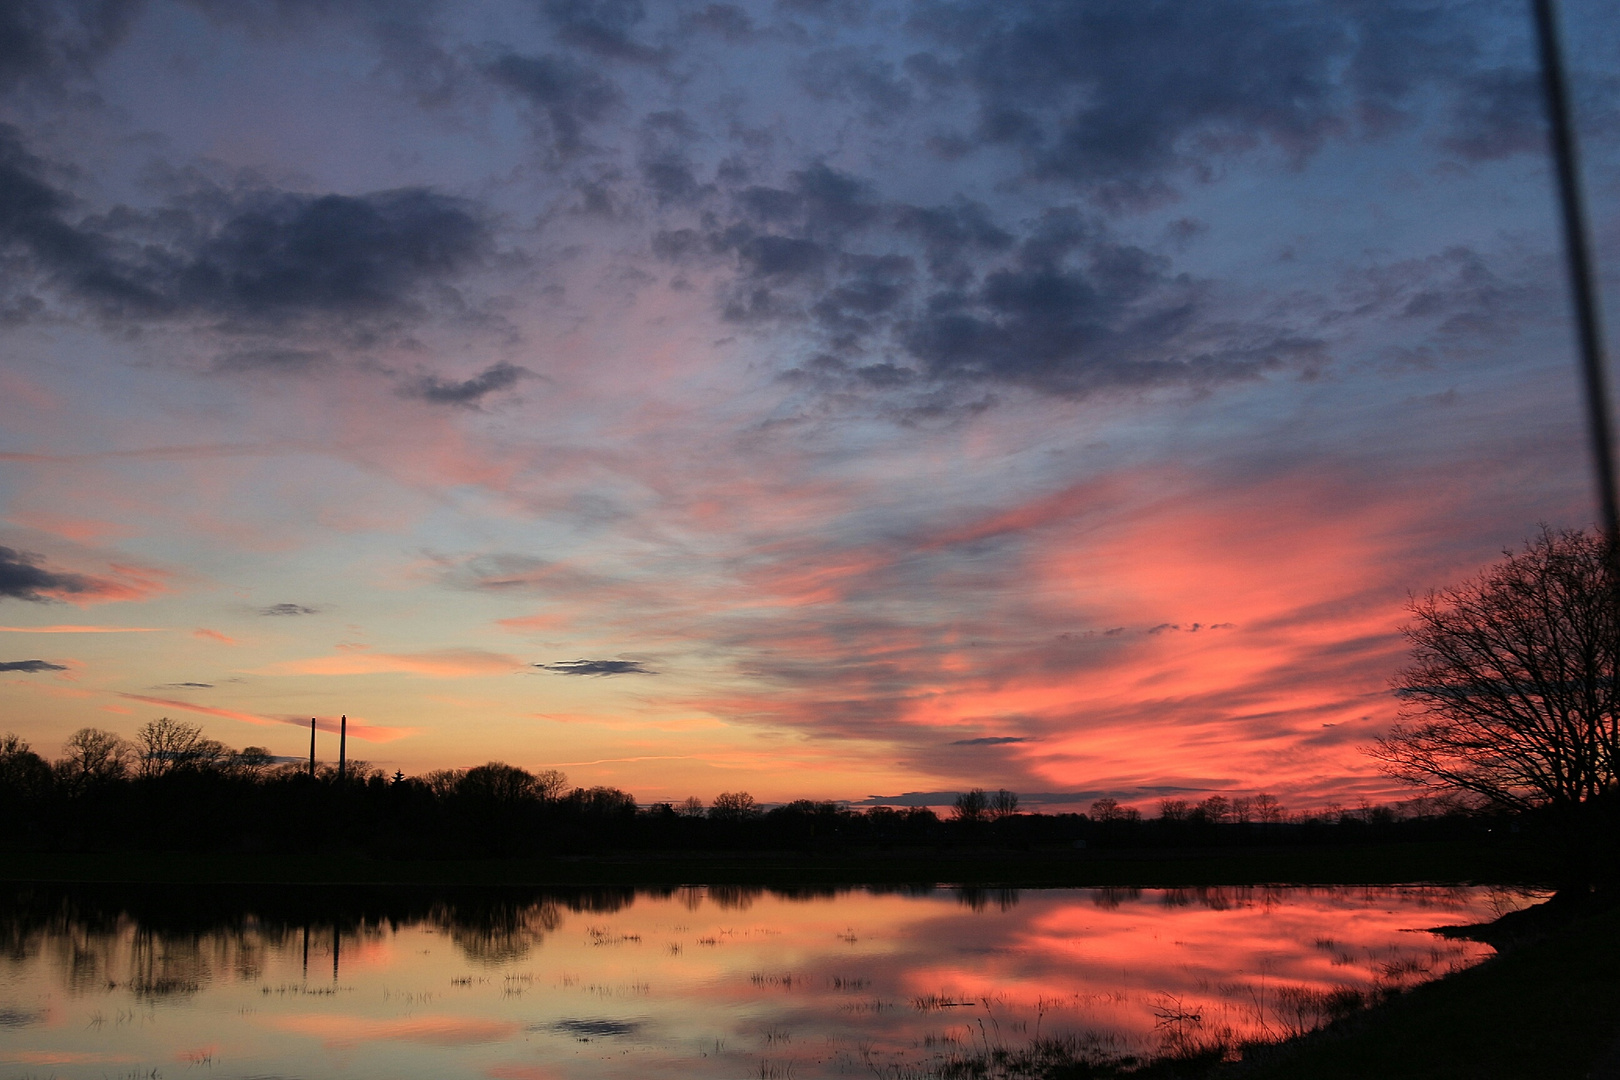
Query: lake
[(724, 981)]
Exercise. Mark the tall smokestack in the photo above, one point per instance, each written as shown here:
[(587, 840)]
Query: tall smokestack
[(343, 746), (312, 748)]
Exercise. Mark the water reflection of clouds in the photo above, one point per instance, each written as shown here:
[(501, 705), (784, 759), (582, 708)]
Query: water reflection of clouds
[(350, 1030), (594, 1029), (68, 1057), (522, 1072), (726, 980)]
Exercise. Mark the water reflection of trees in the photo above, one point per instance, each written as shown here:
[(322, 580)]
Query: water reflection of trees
[(742, 897), (498, 932), (1267, 897), (978, 898), (1112, 897), (734, 897), (159, 941)]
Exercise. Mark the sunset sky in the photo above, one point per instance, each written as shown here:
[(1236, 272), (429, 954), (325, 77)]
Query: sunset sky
[(821, 398)]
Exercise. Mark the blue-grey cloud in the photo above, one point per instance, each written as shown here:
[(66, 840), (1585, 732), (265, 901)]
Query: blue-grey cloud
[(1133, 97), (276, 252), (467, 392), (911, 798), (1046, 798), (45, 40), (24, 576), (597, 667), (288, 609), (1456, 291), (256, 257), (728, 21), (1061, 306), (605, 28), (991, 740), (1145, 791), (1498, 114), (31, 667), (1119, 100), (850, 75), (567, 95)]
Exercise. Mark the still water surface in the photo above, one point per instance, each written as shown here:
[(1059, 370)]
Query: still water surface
[(704, 982)]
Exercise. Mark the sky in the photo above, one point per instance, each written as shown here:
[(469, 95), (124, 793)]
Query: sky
[(833, 399)]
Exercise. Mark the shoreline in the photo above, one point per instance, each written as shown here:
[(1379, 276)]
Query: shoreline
[(1544, 1008), (1433, 863)]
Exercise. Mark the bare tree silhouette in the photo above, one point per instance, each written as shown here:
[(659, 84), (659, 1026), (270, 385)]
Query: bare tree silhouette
[(1003, 804), (971, 806), (1513, 692), (732, 806), (91, 756), (165, 745)]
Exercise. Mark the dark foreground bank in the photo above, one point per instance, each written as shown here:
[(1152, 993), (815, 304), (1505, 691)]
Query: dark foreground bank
[(1547, 1007)]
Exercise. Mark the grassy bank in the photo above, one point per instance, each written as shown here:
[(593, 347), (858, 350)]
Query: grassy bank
[(1446, 862), (1546, 1009)]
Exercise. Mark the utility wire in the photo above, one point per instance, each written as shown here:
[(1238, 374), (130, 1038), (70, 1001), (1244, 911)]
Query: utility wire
[(1582, 287)]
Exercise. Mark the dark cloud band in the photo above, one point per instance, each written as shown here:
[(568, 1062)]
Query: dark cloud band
[(259, 257), (468, 392), (288, 609), (23, 576), (31, 667), (597, 667)]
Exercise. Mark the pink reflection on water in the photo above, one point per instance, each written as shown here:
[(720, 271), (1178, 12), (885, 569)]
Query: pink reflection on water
[(728, 980), (1154, 967), (346, 1031)]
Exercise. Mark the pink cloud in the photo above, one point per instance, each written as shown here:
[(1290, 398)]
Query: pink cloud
[(80, 530), (530, 624), (438, 664), (1277, 602), (67, 629), (206, 710), (377, 733), (214, 635), (359, 729), (127, 582)]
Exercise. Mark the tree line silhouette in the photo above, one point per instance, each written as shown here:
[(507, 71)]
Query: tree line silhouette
[(174, 789)]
